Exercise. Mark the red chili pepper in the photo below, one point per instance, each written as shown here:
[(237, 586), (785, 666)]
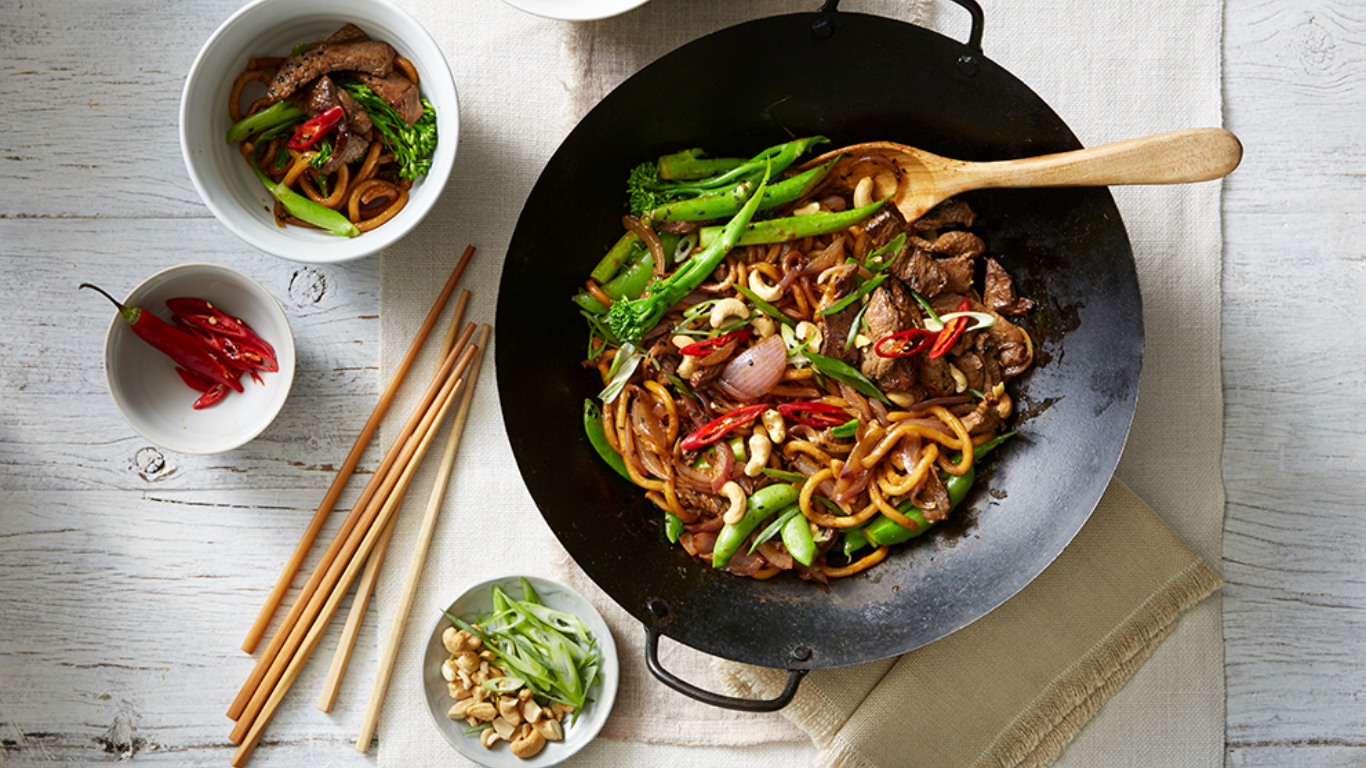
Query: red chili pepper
[(813, 414), (215, 393), (719, 428), (201, 314), (952, 330), (239, 354), (194, 381), (314, 129), (707, 346), (176, 343), (887, 345)]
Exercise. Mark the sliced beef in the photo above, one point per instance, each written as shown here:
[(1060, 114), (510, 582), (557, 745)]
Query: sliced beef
[(1010, 346), (951, 213), (982, 419), (884, 226), (919, 271), (998, 292), (399, 91), (347, 34), (934, 376), (346, 147), (322, 95), (364, 56), (704, 504), (891, 309), (933, 498), (836, 327)]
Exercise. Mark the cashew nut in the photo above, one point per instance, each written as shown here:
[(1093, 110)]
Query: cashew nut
[(688, 367), (736, 494), (809, 331), (902, 399), (681, 341), (759, 449), (448, 670), (764, 325), (863, 193), (503, 727), (728, 308), (529, 744), (550, 729), (488, 738), (808, 209), (761, 287), (774, 425), (507, 707), (960, 380)]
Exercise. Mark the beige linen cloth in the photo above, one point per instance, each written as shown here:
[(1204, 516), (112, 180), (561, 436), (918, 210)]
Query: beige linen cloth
[(1111, 653)]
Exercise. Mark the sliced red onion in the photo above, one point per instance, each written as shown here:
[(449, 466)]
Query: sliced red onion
[(754, 372)]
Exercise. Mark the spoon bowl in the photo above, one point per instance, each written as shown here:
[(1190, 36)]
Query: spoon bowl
[(921, 180)]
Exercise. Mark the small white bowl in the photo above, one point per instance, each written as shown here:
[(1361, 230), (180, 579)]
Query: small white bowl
[(272, 28), (576, 10), (478, 600), (150, 394)]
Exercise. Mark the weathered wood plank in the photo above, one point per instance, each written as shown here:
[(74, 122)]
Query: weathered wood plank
[(1294, 602)]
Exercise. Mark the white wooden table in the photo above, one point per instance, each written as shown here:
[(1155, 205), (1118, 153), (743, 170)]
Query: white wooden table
[(126, 572)]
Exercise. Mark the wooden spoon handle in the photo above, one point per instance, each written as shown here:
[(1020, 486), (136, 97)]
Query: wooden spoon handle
[(1197, 154)]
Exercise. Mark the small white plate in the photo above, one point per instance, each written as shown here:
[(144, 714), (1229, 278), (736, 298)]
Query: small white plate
[(151, 395), (478, 600), (576, 10)]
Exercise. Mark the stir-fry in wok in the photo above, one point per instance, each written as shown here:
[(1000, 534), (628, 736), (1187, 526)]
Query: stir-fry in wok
[(796, 375)]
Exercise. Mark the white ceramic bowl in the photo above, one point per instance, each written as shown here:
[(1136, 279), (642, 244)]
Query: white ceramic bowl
[(576, 10), (272, 28), (478, 600), (151, 395)]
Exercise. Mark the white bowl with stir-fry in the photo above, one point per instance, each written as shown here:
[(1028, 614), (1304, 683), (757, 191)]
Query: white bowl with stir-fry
[(532, 652), (320, 131)]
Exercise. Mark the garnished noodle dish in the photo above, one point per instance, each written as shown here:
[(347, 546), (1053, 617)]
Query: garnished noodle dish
[(340, 134), (798, 377)]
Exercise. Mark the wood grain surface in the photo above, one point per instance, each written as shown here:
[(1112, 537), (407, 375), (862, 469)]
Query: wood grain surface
[(128, 575)]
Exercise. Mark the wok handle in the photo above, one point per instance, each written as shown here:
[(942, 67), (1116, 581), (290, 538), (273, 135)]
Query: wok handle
[(794, 679), (974, 36)]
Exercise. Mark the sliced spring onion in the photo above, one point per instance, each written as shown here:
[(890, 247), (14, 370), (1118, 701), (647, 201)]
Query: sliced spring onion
[(843, 372), (983, 319), (883, 257), (775, 526), (855, 295), (784, 475), (764, 306), (685, 247), (623, 365)]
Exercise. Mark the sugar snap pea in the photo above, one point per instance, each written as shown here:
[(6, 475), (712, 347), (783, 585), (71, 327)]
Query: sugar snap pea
[(795, 227), (761, 505), (728, 203), (597, 436), (629, 283), (797, 537)]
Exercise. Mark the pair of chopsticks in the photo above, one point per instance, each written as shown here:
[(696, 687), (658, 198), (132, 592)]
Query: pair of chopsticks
[(364, 535)]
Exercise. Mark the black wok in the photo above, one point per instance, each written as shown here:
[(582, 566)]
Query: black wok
[(854, 78)]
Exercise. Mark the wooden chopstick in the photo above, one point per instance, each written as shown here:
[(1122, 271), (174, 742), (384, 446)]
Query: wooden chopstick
[(297, 660), (258, 628), (367, 530), (366, 586), (419, 559), (364, 505)]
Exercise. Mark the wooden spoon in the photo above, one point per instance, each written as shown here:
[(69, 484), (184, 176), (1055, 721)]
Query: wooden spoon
[(1197, 154)]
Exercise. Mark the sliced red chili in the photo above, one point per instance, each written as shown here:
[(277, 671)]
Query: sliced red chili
[(952, 330), (193, 380), (901, 344), (314, 129), (813, 414), (707, 346), (719, 428), (202, 314), (216, 393)]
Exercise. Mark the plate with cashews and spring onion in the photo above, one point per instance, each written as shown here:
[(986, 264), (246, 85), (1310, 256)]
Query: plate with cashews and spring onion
[(520, 671)]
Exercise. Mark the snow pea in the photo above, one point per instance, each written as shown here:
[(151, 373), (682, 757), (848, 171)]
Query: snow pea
[(673, 526), (611, 263), (761, 505), (629, 283)]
